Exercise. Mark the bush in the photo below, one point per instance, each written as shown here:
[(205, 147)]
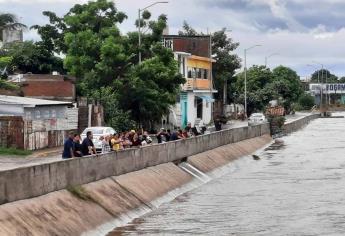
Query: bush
[(7, 85), (306, 102)]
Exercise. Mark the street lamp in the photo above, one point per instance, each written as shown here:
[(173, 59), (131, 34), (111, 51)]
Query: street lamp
[(328, 95), (245, 77), (139, 23), (271, 55), (321, 92)]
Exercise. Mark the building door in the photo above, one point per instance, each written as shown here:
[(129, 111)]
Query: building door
[(184, 111), (199, 108)]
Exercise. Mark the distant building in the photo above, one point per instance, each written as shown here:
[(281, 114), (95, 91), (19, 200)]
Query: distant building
[(330, 93), (195, 102), (46, 86), (35, 123), (12, 35)]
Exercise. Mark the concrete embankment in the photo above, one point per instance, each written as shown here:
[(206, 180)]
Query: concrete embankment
[(113, 188), (295, 125), (87, 207), (36, 180)]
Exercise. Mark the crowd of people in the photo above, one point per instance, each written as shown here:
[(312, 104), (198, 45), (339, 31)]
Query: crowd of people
[(73, 147)]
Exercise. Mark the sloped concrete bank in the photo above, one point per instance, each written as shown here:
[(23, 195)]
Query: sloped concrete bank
[(122, 197), (115, 188), (36, 180)]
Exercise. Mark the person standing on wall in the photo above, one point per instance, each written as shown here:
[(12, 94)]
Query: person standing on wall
[(68, 147), (87, 147)]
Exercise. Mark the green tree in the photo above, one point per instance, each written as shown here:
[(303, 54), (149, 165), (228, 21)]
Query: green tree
[(323, 75), (187, 30), (9, 21), (32, 57), (226, 63), (306, 101), (342, 80), (151, 87), (287, 84), (259, 92), (102, 58)]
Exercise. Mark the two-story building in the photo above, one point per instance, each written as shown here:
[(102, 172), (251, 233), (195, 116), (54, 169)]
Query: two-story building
[(195, 103)]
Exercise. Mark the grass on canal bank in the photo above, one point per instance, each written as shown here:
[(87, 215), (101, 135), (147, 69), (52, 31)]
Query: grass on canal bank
[(14, 152)]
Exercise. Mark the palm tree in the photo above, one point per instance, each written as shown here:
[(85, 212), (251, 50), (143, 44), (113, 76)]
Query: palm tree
[(9, 21)]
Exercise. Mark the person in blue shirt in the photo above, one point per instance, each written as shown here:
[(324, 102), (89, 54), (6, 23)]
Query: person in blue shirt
[(68, 147)]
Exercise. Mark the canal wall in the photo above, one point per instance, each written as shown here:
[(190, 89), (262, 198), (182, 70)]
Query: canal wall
[(295, 125), (100, 206), (106, 191), (36, 180)]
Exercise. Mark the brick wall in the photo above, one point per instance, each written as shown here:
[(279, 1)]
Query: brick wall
[(49, 89), (198, 46)]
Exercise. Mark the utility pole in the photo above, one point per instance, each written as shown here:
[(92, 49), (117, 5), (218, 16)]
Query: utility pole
[(245, 77)]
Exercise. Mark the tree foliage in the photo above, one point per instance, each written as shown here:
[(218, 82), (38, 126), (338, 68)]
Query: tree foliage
[(105, 61), (31, 57), (264, 85), (187, 30), (323, 75), (306, 101), (9, 21)]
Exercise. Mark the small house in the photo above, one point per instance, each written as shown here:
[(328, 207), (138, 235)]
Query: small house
[(31, 123)]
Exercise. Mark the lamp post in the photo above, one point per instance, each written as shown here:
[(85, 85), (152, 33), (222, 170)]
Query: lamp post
[(225, 87), (139, 24), (271, 55), (321, 92), (245, 77)]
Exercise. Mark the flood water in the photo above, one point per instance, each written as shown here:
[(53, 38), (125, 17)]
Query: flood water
[(298, 189)]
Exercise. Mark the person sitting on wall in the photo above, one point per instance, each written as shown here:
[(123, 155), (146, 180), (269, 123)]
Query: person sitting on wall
[(68, 147), (161, 136), (77, 146), (87, 147), (188, 127)]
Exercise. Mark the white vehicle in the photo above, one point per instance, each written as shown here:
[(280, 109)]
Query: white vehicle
[(97, 132), (257, 118)]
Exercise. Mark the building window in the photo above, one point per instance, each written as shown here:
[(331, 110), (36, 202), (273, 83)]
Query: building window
[(190, 72), (198, 73), (38, 114), (53, 113), (205, 74), (46, 114)]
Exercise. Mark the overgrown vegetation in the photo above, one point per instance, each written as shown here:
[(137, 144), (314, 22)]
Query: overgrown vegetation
[(80, 192), (14, 151), (306, 102)]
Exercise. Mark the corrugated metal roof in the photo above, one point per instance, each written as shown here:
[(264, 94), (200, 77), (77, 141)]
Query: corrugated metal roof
[(31, 102)]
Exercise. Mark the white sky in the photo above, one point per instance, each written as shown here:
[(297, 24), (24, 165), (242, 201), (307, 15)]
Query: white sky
[(300, 31)]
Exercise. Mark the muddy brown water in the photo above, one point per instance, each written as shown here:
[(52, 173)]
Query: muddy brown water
[(294, 189)]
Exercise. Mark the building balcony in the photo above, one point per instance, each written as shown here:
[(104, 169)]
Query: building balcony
[(197, 84)]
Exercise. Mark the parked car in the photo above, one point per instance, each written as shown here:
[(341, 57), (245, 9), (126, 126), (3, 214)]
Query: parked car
[(257, 118), (97, 133)]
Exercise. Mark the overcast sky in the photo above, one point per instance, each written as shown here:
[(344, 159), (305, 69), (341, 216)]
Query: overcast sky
[(300, 31)]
